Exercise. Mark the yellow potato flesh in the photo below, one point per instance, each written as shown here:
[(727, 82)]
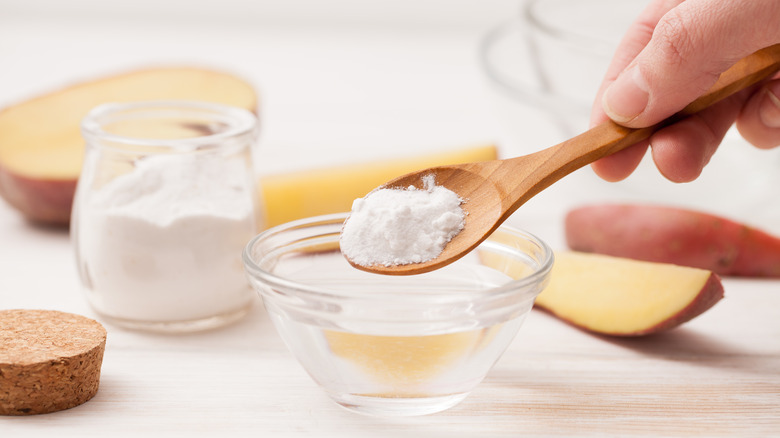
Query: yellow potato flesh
[(328, 190), (41, 138), (402, 360), (617, 295)]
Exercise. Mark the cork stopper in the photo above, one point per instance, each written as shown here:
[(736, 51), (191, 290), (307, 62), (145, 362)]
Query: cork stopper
[(49, 360)]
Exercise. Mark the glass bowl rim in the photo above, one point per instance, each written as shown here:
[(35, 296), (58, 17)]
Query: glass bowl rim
[(522, 286), (592, 44), (535, 94), (245, 123)]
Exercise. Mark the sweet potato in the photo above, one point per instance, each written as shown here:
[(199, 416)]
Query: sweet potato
[(674, 235), (618, 296)]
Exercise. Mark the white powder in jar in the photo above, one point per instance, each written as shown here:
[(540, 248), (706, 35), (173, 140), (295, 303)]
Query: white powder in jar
[(402, 226), (163, 242)]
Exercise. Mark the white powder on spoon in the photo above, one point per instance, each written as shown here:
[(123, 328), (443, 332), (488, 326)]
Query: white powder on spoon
[(402, 226)]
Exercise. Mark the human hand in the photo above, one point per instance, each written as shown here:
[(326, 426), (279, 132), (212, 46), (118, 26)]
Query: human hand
[(671, 55)]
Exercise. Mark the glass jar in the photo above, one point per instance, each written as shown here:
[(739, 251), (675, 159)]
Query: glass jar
[(164, 205)]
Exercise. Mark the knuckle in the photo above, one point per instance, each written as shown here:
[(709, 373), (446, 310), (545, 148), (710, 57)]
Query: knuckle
[(707, 134), (676, 37), (680, 43)]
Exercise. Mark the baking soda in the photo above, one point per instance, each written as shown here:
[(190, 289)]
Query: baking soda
[(163, 242), (402, 226)]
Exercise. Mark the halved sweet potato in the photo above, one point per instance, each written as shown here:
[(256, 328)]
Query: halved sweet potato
[(324, 190), (41, 149), (624, 297)]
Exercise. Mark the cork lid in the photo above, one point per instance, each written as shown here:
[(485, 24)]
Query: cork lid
[(50, 360)]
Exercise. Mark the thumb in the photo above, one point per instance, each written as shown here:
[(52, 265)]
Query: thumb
[(690, 47)]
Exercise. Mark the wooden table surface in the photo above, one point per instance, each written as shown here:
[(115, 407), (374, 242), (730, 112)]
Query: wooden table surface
[(331, 97), (718, 375)]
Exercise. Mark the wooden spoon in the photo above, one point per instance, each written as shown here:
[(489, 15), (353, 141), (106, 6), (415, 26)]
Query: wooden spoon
[(493, 190)]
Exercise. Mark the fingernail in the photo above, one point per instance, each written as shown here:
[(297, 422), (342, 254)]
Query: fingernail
[(627, 97), (769, 110)]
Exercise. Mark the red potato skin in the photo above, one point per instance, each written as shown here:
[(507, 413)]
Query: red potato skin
[(674, 235), (711, 293), (42, 201)]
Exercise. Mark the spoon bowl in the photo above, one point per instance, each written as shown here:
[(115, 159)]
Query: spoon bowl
[(493, 190), (483, 205)]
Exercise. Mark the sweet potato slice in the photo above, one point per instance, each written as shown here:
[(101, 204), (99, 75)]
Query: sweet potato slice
[(624, 297)]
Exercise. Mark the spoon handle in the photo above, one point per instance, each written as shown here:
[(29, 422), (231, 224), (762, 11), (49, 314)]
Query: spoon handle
[(548, 166)]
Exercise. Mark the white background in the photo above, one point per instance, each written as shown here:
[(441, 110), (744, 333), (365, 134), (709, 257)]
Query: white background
[(385, 75), (346, 81)]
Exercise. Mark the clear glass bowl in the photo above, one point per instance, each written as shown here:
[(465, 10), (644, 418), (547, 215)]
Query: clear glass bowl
[(394, 345)]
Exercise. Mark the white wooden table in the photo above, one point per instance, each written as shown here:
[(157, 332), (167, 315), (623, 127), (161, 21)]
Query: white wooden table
[(352, 94)]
